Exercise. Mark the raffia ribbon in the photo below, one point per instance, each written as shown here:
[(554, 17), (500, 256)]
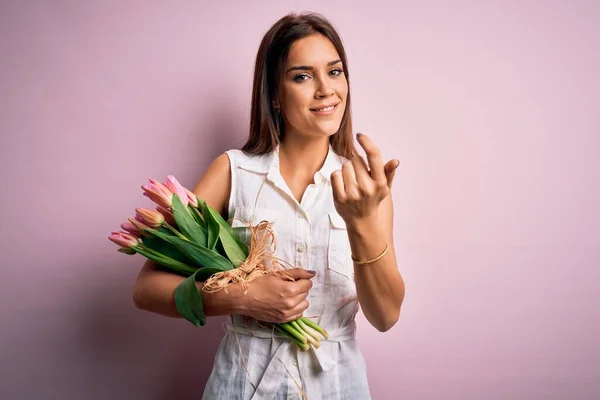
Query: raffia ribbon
[(260, 261)]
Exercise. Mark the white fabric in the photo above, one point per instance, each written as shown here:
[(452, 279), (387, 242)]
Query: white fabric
[(312, 235)]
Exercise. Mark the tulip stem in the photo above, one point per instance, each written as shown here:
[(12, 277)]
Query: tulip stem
[(175, 231)]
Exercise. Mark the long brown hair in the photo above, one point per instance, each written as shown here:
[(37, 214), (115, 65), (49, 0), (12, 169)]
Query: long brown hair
[(267, 126)]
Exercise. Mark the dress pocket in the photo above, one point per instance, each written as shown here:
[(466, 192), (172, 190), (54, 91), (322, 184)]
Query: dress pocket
[(244, 217), (339, 256)]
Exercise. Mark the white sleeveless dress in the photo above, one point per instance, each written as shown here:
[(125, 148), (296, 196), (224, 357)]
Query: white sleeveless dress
[(312, 235)]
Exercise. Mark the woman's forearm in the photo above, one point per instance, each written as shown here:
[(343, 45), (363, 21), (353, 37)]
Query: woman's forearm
[(154, 289), (379, 285)]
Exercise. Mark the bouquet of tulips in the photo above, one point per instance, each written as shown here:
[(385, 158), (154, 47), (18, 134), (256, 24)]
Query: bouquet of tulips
[(188, 237)]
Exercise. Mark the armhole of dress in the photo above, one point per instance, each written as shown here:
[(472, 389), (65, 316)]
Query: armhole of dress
[(232, 193)]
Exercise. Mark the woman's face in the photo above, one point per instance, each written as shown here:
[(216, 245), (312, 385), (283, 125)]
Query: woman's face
[(313, 89)]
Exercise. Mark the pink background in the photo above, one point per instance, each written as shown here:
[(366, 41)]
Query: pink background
[(492, 108)]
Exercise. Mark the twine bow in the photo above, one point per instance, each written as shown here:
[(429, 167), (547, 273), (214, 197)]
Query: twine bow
[(260, 261)]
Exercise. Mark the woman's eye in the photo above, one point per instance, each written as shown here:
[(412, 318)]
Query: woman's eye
[(301, 77), (336, 72)]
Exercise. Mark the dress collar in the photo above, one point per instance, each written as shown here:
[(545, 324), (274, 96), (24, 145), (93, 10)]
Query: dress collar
[(269, 163)]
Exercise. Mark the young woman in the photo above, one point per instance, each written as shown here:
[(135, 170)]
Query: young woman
[(331, 211)]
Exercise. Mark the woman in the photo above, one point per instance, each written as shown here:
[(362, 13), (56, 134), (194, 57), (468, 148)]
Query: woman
[(332, 214)]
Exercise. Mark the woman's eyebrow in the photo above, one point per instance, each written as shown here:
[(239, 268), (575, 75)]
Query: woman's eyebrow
[(309, 68)]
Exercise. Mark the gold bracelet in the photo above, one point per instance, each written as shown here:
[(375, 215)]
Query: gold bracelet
[(373, 260)]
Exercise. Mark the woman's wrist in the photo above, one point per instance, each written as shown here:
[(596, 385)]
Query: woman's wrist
[(363, 227), (367, 239), (230, 302)]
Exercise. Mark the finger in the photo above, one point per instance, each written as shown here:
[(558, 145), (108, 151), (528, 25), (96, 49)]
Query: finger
[(373, 156), (350, 184), (361, 170), (300, 273), (390, 171), (293, 301), (300, 286), (293, 317), (337, 183), (299, 309)]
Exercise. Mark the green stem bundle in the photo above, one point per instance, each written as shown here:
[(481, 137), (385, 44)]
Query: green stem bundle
[(302, 333)]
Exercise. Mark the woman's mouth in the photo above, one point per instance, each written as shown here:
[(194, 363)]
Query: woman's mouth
[(327, 110)]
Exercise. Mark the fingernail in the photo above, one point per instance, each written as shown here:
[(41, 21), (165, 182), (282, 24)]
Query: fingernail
[(311, 271), (358, 134)]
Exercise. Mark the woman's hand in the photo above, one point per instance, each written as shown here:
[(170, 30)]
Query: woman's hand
[(358, 187), (272, 299)]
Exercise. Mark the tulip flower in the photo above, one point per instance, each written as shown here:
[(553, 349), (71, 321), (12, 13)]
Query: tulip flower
[(150, 217), (169, 218), (158, 193), (129, 227), (140, 226), (124, 239), (175, 187), (191, 197)]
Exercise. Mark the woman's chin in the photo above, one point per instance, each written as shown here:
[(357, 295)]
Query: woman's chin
[(321, 130), (327, 130)]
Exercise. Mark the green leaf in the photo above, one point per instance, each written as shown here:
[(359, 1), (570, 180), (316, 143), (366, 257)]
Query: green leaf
[(234, 253), (197, 214), (235, 250), (230, 253), (227, 228), (206, 272), (212, 226), (165, 230), (189, 301), (167, 249), (201, 256), (187, 224), (174, 265)]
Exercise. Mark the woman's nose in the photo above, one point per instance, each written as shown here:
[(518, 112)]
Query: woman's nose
[(324, 93), (323, 89)]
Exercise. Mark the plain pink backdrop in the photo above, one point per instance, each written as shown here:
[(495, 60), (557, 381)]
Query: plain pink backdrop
[(492, 108)]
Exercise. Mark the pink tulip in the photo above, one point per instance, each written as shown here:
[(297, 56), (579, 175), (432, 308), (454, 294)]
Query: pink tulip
[(175, 187), (129, 227), (191, 197), (169, 218), (124, 239), (150, 217), (158, 193), (140, 226)]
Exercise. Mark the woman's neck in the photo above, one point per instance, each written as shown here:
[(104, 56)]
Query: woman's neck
[(301, 158)]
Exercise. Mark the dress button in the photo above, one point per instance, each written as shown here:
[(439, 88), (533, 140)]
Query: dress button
[(301, 247), (295, 362)]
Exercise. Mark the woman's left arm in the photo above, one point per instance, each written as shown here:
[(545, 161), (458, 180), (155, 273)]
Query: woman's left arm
[(362, 196)]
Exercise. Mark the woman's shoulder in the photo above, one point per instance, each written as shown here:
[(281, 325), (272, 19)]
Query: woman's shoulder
[(241, 155), (245, 160)]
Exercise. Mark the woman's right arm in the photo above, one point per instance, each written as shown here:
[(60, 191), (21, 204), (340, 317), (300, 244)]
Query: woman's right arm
[(154, 289), (268, 298)]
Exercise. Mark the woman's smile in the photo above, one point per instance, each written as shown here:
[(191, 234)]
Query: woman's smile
[(325, 110)]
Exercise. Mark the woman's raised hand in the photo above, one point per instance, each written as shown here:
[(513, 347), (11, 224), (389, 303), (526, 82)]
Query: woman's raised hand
[(361, 185)]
